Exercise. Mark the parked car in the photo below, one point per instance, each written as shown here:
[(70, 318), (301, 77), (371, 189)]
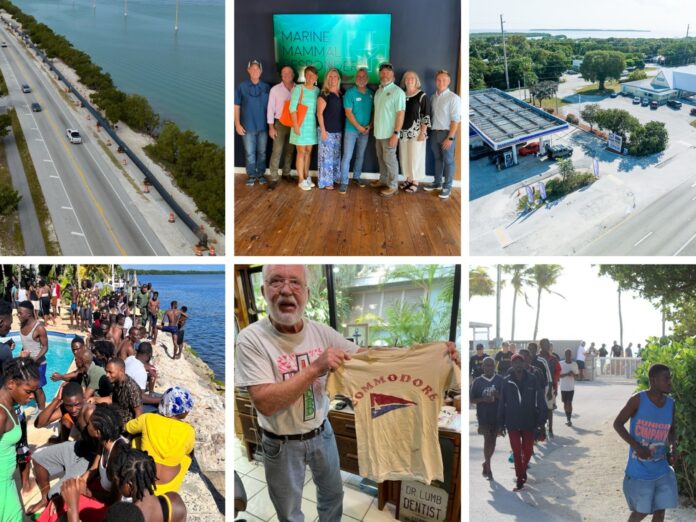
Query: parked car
[(644, 102), (571, 71), (653, 105), (559, 151), (614, 95), (73, 135), (35, 107), (532, 148), (674, 104), (476, 153), (636, 100), (692, 112), (3, 44), (26, 88)]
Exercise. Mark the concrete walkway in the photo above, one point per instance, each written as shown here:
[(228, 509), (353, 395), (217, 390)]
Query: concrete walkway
[(550, 493), (28, 221)]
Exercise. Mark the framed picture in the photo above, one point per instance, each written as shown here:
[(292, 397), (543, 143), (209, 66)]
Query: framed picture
[(358, 334)]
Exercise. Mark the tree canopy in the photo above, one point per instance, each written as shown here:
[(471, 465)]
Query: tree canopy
[(602, 65)]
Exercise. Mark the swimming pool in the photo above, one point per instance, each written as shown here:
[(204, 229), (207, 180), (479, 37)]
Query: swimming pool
[(59, 357)]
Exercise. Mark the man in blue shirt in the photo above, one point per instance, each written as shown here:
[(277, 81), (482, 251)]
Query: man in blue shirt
[(357, 103), (250, 103)]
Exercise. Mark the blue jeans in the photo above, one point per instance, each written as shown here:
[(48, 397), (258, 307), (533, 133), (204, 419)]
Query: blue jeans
[(284, 462), (255, 150), (350, 139), (444, 159)]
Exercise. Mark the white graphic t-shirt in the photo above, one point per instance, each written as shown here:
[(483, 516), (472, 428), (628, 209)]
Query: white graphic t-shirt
[(263, 355), (397, 395)]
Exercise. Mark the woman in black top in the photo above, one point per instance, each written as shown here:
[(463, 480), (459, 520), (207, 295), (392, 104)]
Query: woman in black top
[(331, 117), (413, 132)]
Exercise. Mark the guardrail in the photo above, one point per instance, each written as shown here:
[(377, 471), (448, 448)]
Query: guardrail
[(149, 176)]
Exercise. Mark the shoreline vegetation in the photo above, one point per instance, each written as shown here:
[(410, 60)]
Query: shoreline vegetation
[(198, 167), (177, 272)]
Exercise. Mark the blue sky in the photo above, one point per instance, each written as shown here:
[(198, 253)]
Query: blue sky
[(173, 267), (592, 14)]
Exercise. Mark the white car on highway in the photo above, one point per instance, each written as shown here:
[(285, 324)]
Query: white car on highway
[(73, 135)]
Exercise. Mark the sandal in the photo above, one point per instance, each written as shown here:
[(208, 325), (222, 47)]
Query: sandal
[(412, 188), (405, 184)]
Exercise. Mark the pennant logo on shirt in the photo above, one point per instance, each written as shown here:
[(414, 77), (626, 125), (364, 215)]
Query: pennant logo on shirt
[(381, 404)]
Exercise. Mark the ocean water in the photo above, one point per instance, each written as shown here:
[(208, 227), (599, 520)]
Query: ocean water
[(204, 295), (181, 73), (583, 33)]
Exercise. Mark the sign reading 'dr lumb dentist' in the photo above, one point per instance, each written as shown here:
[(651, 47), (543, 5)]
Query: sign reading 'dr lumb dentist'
[(344, 41)]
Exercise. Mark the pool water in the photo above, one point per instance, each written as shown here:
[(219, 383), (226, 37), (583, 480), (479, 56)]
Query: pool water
[(59, 358)]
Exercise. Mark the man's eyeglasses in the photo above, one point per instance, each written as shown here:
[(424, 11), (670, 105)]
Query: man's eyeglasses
[(278, 283)]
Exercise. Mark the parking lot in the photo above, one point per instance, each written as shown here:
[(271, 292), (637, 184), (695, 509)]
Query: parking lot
[(626, 185)]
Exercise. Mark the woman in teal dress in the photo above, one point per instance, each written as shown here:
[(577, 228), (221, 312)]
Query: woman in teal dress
[(305, 136), (21, 379)]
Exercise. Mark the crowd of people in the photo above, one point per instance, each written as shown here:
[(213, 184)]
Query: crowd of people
[(515, 394), (299, 116), (116, 439)]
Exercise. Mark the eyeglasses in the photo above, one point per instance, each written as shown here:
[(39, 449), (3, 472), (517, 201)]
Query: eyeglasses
[(278, 283)]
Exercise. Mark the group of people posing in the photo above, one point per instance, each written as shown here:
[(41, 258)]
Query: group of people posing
[(298, 117), (117, 439)]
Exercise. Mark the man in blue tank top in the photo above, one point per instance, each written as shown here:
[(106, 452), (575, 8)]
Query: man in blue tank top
[(650, 485)]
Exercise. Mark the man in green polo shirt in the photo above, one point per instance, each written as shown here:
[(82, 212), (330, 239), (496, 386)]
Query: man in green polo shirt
[(390, 104)]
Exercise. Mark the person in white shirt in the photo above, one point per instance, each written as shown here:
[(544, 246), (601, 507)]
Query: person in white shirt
[(580, 359), (569, 370)]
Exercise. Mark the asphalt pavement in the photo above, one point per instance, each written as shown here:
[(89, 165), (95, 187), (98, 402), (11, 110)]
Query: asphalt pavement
[(91, 211)]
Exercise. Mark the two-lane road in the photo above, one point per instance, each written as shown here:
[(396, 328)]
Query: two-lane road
[(91, 211)]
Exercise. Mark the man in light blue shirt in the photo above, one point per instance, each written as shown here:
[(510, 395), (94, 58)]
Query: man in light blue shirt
[(390, 106), (357, 103), (445, 107), (250, 104)]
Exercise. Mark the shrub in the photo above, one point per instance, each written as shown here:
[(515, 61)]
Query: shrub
[(648, 139), (681, 358), (9, 199), (572, 118)]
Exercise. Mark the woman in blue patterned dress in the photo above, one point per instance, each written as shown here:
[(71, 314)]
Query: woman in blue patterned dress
[(331, 118), (304, 136)]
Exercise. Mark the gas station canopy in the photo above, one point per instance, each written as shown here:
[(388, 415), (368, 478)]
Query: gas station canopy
[(502, 121)]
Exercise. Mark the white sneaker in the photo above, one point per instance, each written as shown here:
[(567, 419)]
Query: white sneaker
[(311, 183), (304, 185)]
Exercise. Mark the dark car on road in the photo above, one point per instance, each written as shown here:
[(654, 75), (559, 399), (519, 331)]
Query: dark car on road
[(674, 104), (614, 95), (559, 151), (35, 107), (644, 102)]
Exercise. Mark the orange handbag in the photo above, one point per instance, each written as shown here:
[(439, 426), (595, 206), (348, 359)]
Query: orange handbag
[(285, 118)]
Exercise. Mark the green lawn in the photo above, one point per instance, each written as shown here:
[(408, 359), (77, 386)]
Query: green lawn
[(593, 89)]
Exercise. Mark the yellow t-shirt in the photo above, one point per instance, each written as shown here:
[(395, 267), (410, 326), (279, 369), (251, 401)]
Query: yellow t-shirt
[(397, 395), (166, 440)]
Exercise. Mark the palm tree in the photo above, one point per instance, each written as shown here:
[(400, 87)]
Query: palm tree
[(620, 320), (521, 276), (480, 283), (544, 277)]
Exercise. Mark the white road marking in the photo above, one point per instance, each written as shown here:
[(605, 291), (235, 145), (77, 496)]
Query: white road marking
[(48, 161), (38, 139), (68, 208), (77, 234), (646, 236), (685, 245), (54, 176)]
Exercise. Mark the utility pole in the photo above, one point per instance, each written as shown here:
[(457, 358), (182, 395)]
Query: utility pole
[(497, 307), (502, 31), (687, 30), (176, 23)]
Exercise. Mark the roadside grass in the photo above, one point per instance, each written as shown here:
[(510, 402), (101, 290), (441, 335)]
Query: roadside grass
[(11, 240), (693, 123), (52, 246), (593, 89), (556, 188)]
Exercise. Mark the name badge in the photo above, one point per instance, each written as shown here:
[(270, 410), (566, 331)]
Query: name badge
[(358, 99)]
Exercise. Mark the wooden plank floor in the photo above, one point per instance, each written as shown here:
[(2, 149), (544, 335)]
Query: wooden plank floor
[(291, 222)]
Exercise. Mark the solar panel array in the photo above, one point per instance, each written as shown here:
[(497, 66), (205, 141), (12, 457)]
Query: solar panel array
[(502, 118)]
